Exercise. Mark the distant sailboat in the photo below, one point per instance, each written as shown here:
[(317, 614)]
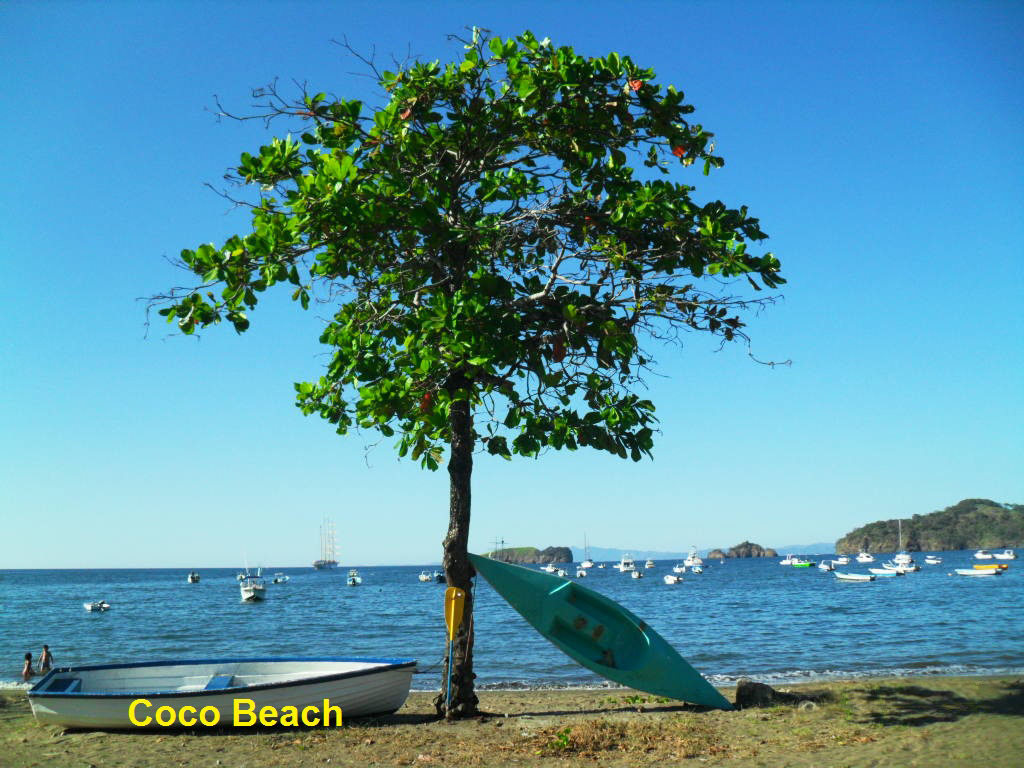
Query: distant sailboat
[(328, 555), (587, 562)]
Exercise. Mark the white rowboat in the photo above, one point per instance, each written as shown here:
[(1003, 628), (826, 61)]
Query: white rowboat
[(977, 572), (854, 576), (101, 696)]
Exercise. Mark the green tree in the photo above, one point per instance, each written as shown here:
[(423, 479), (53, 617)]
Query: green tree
[(491, 259)]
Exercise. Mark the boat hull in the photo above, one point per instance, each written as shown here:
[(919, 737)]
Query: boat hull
[(105, 693), (599, 633)]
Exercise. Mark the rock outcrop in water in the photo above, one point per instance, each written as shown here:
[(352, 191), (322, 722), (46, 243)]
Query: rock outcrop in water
[(749, 549), (532, 555)]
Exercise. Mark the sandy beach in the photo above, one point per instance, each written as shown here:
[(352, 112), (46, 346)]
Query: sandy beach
[(928, 721)]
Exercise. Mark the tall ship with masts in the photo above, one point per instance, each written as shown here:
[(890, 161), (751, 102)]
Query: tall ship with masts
[(328, 553)]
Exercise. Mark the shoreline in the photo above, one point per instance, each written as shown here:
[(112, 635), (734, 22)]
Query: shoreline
[(722, 682), (935, 720)]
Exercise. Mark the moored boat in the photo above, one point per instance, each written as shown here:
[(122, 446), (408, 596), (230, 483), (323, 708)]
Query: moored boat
[(425, 576), (102, 696), (637, 574), (854, 576), (983, 554), (932, 560), (978, 571), (886, 571), (671, 578), (626, 564), (865, 557), (193, 577), (252, 586), (99, 606), (1006, 554), (354, 579), (990, 566)]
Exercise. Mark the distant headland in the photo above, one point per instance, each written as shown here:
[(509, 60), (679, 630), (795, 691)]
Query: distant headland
[(970, 524), (532, 555)]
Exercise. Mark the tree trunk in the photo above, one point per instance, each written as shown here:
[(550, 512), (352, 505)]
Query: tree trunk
[(461, 701)]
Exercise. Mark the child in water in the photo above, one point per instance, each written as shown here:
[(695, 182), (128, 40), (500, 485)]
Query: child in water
[(27, 670), (45, 660)]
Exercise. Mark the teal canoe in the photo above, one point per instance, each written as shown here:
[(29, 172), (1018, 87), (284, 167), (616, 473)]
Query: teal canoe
[(599, 633)]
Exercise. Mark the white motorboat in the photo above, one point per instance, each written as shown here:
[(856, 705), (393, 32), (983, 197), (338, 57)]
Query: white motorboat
[(697, 569), (671, 578), (932, 560), (354, 579), (99, 605), (854, 576), (1006, 554), (649, 564), (193, 577), (842, 560), (865, 557), (132, 696), (678, 568), (280, 578), (788, 560), (252, 586), (977, 571), (637, 574), (550, 568), (425, 576), (600, 565), (626, 564), (693, 558), (885, 571), (581, 573), (562, 573), (983, 554), (827, 565)]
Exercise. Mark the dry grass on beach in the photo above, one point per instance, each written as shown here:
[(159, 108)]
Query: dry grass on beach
[(946, 721)]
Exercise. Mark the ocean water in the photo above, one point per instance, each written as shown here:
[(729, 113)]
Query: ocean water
[(742, 618)]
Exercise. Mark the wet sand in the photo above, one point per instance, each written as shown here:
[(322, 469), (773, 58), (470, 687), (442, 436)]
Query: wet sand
[(932, 721)]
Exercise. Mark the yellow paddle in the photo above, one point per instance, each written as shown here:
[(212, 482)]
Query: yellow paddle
[(454, 598)]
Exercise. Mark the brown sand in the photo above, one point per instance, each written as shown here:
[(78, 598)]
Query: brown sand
[(946, 721)]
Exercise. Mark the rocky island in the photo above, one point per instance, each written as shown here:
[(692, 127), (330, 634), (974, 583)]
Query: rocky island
[(747, 549), (532, 555)]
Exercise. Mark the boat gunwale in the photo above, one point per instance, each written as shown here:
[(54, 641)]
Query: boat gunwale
[(386, 665)]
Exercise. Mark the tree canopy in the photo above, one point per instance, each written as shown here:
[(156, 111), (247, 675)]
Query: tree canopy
[(492, 259)]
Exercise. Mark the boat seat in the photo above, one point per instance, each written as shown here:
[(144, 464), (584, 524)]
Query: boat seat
[(219, 682), (65, 685)]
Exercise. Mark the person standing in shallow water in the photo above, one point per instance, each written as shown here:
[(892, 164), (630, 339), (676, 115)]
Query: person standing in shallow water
[(45, 660), (27, 671)]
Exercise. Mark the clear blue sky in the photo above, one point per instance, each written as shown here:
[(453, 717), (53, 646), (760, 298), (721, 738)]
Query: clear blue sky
[(879, 143)]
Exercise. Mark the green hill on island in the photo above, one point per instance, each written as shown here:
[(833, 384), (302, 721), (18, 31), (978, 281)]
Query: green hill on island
[(971, 524)]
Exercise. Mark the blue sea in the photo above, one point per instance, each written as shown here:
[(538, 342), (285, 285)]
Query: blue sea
[(741, 618)]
